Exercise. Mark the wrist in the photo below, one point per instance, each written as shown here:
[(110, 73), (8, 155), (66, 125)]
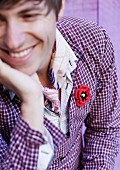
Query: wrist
[(32, 113)]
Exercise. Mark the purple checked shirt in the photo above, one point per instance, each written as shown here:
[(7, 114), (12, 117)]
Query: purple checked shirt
[(19, 144)]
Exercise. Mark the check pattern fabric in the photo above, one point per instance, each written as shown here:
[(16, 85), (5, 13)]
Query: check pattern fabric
[(19, 144)]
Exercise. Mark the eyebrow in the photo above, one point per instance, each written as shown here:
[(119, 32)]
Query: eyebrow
[(30, 9)]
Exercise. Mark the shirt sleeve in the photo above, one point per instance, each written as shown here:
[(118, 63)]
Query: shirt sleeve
[(46, 151), (21, 152), (103, 122)]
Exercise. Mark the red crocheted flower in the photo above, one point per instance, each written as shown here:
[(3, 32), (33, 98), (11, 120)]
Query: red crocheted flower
[(82, 95)]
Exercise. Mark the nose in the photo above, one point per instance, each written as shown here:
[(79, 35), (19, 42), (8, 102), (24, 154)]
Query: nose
[(13, 38)]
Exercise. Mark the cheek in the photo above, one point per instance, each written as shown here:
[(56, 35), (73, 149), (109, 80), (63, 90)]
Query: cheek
[(43, 29)]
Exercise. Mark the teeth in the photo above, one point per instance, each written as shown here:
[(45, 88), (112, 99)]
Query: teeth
[(20, 54)]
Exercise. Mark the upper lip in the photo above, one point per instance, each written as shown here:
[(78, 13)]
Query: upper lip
[(13, 51)]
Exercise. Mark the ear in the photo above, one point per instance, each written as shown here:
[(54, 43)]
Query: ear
[(61, 12)]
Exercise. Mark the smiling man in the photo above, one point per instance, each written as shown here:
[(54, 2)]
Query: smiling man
[(55, 75)]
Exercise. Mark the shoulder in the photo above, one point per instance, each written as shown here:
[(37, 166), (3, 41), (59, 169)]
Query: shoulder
[(74, 26), (87, 39), (81, 31)]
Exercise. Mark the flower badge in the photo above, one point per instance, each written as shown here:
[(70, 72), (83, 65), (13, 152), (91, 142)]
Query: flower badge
[(82, 95)]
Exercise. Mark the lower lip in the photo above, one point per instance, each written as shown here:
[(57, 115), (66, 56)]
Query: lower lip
[(20, 60)]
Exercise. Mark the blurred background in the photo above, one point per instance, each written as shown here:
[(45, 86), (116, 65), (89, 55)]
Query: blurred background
[(107, 14)]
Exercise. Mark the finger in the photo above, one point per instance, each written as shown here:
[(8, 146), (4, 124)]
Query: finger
[(10, 76), (17, 81)]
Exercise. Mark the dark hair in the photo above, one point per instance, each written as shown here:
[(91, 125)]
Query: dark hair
[(52, 4)]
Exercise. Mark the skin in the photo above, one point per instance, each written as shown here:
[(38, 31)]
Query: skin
[(26, 27)]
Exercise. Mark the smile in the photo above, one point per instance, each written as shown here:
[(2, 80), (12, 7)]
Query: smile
[(18, 57), (20, 54)]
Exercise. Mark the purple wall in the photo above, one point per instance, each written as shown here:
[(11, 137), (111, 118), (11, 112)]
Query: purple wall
[(107, 14), (104, 12)]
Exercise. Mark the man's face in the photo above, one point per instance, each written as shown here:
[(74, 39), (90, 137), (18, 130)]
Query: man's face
[(27, 36)]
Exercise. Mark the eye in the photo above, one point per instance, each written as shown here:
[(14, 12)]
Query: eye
[(30, 17)]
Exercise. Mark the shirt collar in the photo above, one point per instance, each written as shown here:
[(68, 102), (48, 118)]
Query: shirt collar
[(62, 61), (69, 52)]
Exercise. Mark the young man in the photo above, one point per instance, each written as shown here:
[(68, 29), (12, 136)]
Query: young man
[(52, 81)]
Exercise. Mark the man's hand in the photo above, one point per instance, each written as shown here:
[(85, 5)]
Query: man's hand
[(29, 90)]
